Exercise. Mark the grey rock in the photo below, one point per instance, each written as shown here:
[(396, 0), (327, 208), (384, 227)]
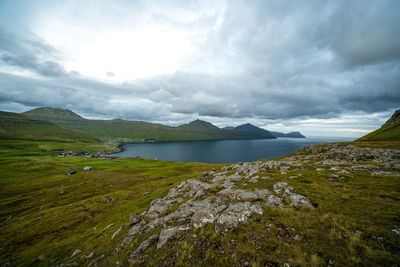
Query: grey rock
[(297, 237), (168, 232), (397, 231), (89, 256), (235, 178), (254, 179), (145, 245), (299, 200), (77, 251), (283, 169), (133, 219), (108, 199), (87, 168), (242, 194), (116, 233), (333, 177)]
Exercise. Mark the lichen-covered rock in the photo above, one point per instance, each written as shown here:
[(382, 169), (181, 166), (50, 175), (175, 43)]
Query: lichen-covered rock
[(145, 245), (168, 232)]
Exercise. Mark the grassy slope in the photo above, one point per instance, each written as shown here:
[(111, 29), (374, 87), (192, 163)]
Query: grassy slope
[(136, 130), (19, 127), (389, 131), (36, 220)]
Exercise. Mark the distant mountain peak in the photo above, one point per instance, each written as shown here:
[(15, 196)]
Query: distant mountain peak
[(199, 124), (53, 113)]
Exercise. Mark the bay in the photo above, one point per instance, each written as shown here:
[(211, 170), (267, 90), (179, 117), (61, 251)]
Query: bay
[(221, 151)]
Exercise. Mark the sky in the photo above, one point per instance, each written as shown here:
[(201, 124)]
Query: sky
[(325, 68)]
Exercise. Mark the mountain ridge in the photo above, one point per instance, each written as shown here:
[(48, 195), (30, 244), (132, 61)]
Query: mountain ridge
[(140, 130), (15, 126)]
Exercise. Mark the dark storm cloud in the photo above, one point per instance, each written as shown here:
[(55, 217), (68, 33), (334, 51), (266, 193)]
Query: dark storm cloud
[(266, 60), (30, 62), (29, 54)]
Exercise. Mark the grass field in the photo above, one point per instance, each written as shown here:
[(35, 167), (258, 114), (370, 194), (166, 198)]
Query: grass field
[(46, 212), (45, 215)]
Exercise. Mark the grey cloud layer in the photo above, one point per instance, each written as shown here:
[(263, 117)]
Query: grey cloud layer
[(267, 60)]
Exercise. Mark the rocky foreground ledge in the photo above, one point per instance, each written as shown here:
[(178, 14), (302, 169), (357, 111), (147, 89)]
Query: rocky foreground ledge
[(220, 198)]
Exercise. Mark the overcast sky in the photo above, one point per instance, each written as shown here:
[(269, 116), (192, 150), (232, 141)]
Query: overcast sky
[(325, 68)]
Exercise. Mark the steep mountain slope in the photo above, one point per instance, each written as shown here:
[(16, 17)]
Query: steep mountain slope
[(19, 127), (138, 130), (388, 131)]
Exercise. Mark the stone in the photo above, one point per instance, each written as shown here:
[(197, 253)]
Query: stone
[(132, 233), (157, 207), (242, 194), (297, 237), (108, 199), (145, 245), (41, 257), (133, 219), (236, 213), (234, 178), (333, 177), (254, 179), (116, 233), (283, 169), (279, 186), (87, 168), (267, 177), (273, 201), (89, 256), (77, 251), (397, 231), (61, 192), (168, 232), (299, 200)]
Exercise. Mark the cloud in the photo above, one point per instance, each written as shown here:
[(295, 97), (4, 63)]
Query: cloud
[(272, 63)]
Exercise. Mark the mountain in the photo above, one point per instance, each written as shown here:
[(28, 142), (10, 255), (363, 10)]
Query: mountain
[(388, 131), (17, 126), (291, 134), (252, 130), (139, 130), (199, 125), (47, 113)]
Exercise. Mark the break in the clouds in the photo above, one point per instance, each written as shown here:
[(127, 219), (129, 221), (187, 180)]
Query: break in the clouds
[(321, 67)]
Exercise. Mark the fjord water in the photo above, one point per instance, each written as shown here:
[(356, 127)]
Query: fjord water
[(221, 151)]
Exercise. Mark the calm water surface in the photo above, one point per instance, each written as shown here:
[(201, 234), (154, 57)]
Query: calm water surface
[(221, 151)]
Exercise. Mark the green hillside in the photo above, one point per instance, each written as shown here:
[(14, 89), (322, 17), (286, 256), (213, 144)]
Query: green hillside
[(139, 130), (390, 131), (14, 126)]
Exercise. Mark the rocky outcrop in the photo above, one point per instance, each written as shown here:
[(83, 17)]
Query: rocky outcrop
[(213, 199), (344, 152)]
